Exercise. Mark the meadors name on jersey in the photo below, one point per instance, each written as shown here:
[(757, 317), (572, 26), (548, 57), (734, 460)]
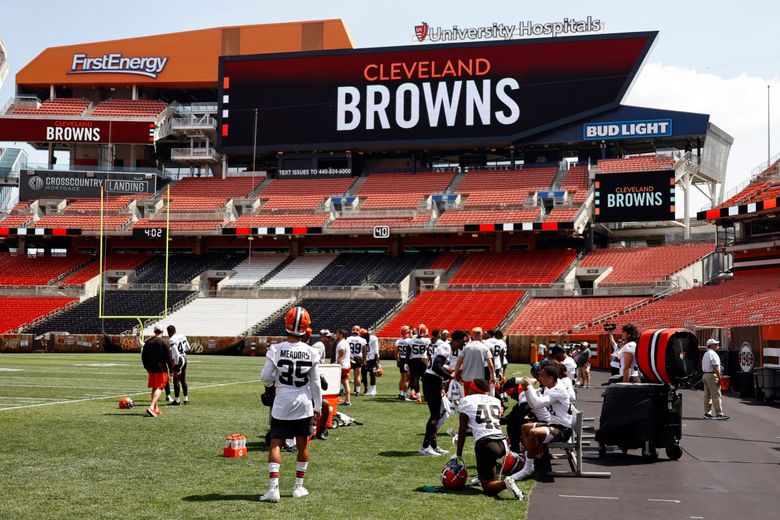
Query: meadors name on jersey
[(294, 354), (627, 129)]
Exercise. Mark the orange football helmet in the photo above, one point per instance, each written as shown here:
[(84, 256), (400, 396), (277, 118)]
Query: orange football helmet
[(296, 321)]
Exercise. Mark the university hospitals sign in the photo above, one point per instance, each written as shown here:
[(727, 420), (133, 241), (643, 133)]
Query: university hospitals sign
[(502, 31)]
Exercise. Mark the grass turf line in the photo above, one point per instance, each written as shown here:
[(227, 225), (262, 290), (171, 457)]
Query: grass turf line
[(90, 459)]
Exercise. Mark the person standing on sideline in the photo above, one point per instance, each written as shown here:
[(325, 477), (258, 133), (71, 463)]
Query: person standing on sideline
[(627, 355), (292, 367), (583, 365), (471, 362), (372, 362), (323, 344), (437, 373), (342, 358), (402, 361), (156, 357), (710, 365), (179, 349)]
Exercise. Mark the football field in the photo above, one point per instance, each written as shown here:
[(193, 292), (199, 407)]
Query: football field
[(68, 451)]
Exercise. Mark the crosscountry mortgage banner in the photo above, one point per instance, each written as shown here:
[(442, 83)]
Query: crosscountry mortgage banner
[(634, 197), (41, 184)]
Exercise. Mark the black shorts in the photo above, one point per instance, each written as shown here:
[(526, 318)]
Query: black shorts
[(488, 451), (487, 373), (281, 429), (371, 364), (559, 433), (403, 366), (417, 367), (356, 363)]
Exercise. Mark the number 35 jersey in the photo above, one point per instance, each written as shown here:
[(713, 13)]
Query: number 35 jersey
[(293, 369), (484, 413)]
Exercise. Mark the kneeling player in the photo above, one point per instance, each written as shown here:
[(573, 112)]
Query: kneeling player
[(481, 413), (292, 366)]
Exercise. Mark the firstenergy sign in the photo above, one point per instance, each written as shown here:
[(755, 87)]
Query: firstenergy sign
[(421, 96), (117, 63)]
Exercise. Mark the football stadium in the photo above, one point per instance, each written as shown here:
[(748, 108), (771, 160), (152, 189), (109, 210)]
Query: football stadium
[(263, 187)]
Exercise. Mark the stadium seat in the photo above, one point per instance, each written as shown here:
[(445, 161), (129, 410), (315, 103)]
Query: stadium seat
[(300, 271), (281, 220), (354, 221), (183, 268), (86, 222), (114, 262), (454, 310), (348, 269), (394, 270), (20, 270), (525, 268), (253, 269), (551, 315), (455, 218), (220, 317), (145, 108), (337, 314), (56, 107), (20, 311), (642, 163), (215, 189)]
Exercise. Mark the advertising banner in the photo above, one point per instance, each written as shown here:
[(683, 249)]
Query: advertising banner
[(41, 184), (420, 96), (75, 131), (634, 197)]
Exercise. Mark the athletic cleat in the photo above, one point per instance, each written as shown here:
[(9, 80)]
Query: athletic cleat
[(185, 402), (512, 487), (174, 403), (401, 397), (272, 495), (346, 404), (708, 416), (440, 451), (429, 452), (151, 413), (168, 398), (475, 481), (299, 491)]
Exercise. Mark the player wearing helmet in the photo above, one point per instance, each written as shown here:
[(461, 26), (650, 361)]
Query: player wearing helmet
[(402, 361), (481, 413), (418, 361), (292, 367), (357, 352)]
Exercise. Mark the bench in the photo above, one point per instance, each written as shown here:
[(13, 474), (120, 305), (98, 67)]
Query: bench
[(573, 452)]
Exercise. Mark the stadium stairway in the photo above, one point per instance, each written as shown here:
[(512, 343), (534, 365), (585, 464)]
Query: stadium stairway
[(300, 271)]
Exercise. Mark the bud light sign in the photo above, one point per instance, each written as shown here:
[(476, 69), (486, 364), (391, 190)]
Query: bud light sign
[(627, 129)]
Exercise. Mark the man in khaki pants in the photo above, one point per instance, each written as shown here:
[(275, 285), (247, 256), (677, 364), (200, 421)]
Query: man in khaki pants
[(710, 365)]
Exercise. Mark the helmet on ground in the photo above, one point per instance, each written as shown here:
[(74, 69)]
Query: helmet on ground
[(454, 475), (422, 331), (126, 403), (296, 321), (357, 329), (512, 463)]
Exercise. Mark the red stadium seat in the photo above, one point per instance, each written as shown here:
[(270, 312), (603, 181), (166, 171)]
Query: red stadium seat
[(526, 268), (20, 270), (644, 266), (551, 315), (20, 311)]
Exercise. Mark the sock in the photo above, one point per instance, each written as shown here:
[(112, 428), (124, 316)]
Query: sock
[(433, 443), (273, 475), (300, 473), (186, 399), (177, 399)]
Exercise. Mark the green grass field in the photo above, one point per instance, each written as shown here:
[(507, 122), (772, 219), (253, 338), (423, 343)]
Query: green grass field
[(68, 451)]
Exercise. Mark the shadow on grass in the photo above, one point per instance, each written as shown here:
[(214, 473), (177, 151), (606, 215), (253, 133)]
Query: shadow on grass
[(257, 446), (396, 453), (216, 497), (129, 414), (467, 490)]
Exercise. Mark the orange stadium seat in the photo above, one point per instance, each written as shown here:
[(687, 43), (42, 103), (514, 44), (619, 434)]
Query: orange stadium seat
[(523, 179), (646, 163), (128, 108), (423, 183), (123, 262), (528, 268), (90, 222), (550, 315), (180, 225), (369, 222), (286, 220), (20, 270), (56, 107), (452, 218), (20, 311), (306, 187)]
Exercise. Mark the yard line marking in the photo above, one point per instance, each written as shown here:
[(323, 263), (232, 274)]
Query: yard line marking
[(31, 398), (697, 517), (121, 395), (583, 496), (663, 500)]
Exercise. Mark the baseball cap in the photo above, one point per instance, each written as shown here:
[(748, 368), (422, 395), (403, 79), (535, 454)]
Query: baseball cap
[(324, 332), (556, 348), (712, 342), (445, 331), (157, 328)]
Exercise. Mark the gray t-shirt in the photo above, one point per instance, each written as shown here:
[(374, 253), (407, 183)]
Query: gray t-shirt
[(475, 354)]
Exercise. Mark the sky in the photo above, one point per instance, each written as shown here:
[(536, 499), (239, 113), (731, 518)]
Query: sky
[(715, 57)]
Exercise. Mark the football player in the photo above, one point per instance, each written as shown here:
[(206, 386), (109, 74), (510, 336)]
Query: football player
[(357, 352), (437, 373), (292, 367), (372, 361), (157, 361), (179, 349), (342, 358), (418, 361), (402, 361), (481, 413)]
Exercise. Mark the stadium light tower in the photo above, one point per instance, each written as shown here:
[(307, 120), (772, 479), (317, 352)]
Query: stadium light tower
[(254, 144)]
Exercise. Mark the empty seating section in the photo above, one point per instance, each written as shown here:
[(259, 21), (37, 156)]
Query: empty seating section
[(643, 266), (423, 183), (92, 206), (551, 315), (300, 271), (281, 220), (562, 214), (351, 222), (495, 199), (83, 318), (129, 108), (15, 221), (524, 180), (179, 225), (223, 317), (445, 260), (253, 269), (396, 269), (750, 298), (753, 193), (207, 187), (306, 187), (527, 268), (348, 269), (183, 268), (293, 203), (115, 262), (195, 205), (644, 163), (56, 107), (460, 218), (454, 310), (19, 311), (576, 178), (337, 314), (391, 201), (89, 222), (20, 270)]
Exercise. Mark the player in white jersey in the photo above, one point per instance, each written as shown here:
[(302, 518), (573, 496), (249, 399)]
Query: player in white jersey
[(342, 359), (372, 362), (481, 413), (292, 367), (418, 362), (357, 353), (322, 345), (437, 373), (179, 349), (402, 361), (556, 399)]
